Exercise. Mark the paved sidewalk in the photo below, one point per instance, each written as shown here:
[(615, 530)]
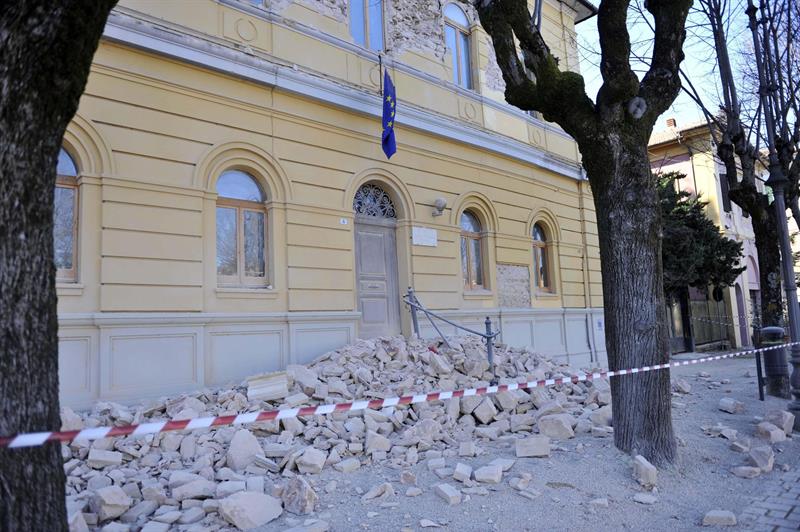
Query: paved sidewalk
[(778, 510)]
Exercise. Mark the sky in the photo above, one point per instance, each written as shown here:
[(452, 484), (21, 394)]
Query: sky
[(699, 64)]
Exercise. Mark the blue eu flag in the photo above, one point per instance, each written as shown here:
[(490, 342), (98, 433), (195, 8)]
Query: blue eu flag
[(389, 99)]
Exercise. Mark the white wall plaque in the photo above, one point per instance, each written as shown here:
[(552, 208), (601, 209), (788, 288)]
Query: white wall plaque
[(424, 236)]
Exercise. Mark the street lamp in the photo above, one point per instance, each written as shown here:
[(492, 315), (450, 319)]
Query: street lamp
[(777, 181)]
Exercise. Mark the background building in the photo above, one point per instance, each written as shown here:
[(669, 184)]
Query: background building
[(691, 151), (224, 206)]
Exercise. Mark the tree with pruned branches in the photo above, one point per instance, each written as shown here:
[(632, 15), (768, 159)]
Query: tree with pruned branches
[(612, 133)]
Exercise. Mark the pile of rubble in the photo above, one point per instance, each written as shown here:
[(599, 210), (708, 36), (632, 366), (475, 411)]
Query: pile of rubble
[(244, 477)]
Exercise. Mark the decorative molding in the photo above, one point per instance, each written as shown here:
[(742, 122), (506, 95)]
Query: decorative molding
[(140, 34)]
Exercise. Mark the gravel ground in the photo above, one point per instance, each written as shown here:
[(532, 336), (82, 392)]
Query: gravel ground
[(581, 470)]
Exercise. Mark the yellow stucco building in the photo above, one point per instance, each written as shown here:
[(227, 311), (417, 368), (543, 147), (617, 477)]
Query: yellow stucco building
[(224, 206), (690, 150)]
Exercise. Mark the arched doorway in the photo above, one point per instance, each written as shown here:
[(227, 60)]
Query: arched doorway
[(376, 262)]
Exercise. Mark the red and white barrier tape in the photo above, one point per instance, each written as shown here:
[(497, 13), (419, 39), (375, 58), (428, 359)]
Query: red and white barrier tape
[(32, 439)]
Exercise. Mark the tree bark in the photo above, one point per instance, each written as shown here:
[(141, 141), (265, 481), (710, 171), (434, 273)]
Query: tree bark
[(633, 295), (46, 50), (612, 135)]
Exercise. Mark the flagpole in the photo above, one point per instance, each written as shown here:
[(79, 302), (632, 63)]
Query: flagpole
[(380, 73)]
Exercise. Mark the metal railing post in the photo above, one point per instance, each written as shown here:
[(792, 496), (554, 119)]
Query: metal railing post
[(490, 346), (414, 320)]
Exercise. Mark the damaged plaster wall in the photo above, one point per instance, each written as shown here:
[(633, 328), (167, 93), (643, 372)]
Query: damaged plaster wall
[(513, 286), (415, 26), (336, 9), (492, 73)]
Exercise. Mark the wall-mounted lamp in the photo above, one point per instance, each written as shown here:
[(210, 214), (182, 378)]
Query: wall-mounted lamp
[(438, 206)]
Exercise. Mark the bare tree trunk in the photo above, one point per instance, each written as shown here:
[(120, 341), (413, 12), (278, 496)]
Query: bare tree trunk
[(629, 226), (46, 49)]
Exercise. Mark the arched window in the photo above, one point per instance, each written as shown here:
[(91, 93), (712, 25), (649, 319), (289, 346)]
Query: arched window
[(241, 231), (366, 23), (471, 256), (456, 34), (541, 260), (372, 200), (65, 219)]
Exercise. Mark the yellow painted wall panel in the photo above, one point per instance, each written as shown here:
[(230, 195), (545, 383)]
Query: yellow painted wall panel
[(154, 198), (311, 257), (306, 235), (134, 244), (200, 15), (437, 283), (320, 279), (150, 298), (146, 169), (138, 271), (154, 145), (153, 219), (319, 300)]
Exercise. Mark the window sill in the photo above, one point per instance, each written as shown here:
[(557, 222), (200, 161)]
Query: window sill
[(247, 293), (545, 295), (478, 294), (64, 288)]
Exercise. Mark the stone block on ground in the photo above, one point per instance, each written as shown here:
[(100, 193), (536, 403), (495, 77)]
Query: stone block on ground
[(485, 411), (532, 446), (447, 492), (462, 472), (557, 426), (762, 457), (110, 502), (490, 474), (267, 387), (247, 509), (99, 458), (644, 472), (311, 461), (746, 471), (197, 489), (242, 450), (770, 432), (731, 405), (347, 466), (299, 497), (602, 417), (377, 442), (781, 419), (719, 518)]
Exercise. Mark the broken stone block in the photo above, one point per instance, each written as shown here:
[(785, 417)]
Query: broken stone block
[(506, 400), (740, 446), (70, 420), (462, 472), (347, 466), (267, 387), (602, 416), (770, 432), (447, 492), (192, 515), (110, 502), (644, 472), (762, 457), (490, 474), (436, 463), (296, 399), (382, 491), (645, 498), (719, 518), (485, 411), (299, 497), (505, 463), (99, 459), (248, 509), (532, 446), (376, 442), (243, 448), (311, 461), (413, 492), (731, 405), (142, 509), (470, 403), (682, 386), (557, 426), (746, 471), (467, 448), (440, 364), (781, 419), (197, 489), (225, 489)]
